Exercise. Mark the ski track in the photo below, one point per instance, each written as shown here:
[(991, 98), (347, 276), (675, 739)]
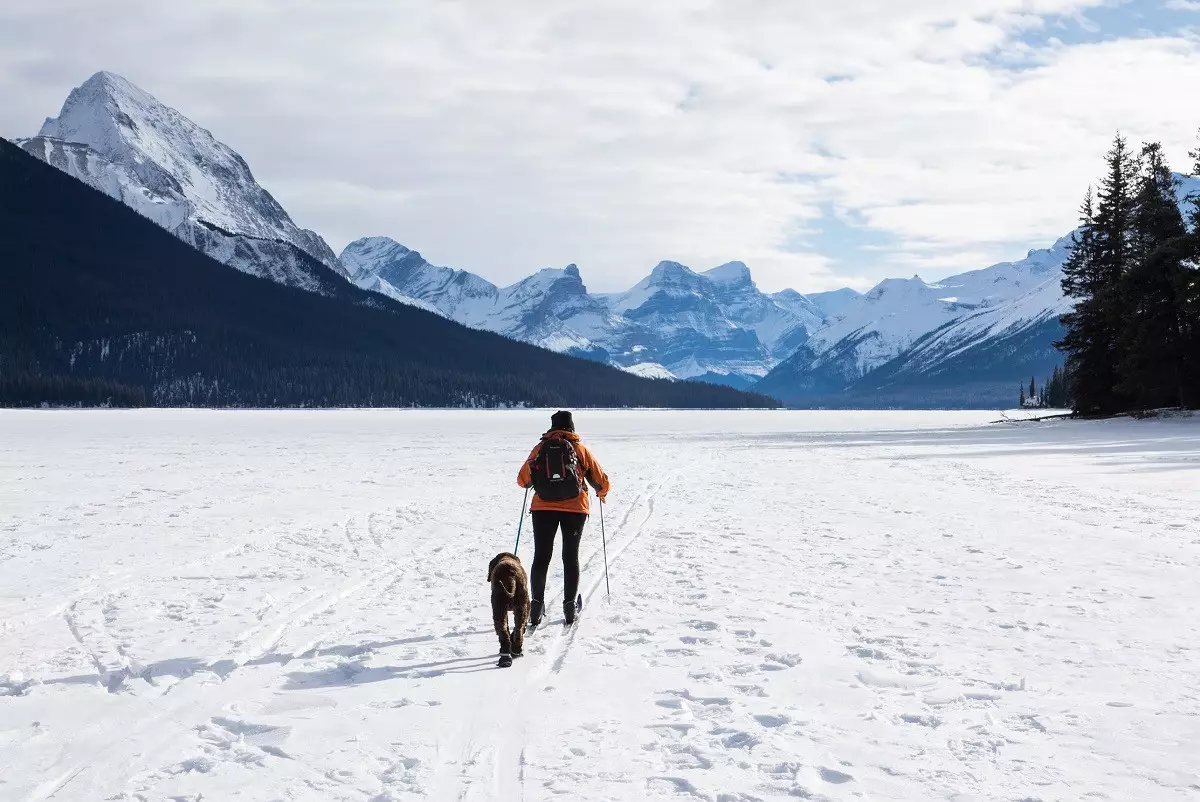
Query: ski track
[(806, 605), (556, 655)]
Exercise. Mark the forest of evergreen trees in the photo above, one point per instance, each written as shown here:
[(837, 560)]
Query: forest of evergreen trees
[(101, 307), (1054, 393), (1133, 339)]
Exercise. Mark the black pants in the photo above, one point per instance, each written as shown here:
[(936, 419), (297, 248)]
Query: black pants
[(545, 525)]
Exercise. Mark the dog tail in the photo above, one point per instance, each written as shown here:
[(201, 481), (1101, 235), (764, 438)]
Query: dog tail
[(510, 590)]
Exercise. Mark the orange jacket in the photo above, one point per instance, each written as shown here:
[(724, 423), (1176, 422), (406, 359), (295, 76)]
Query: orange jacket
[(592, 472)]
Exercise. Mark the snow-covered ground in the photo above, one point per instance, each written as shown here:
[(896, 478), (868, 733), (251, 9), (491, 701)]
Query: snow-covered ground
[(827, 605)]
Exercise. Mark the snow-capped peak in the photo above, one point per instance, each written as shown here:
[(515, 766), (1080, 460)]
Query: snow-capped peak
[(730, 273), (96, 112), (549, 275), (177, 160), (549, 281), (891, 287), (667, 272), (369, 253)]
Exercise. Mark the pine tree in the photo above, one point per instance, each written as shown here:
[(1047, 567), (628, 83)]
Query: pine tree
[(1055, 392), (1022, 404), (1152, 352), (1083, 343), (1188, 295), (1093, 275)]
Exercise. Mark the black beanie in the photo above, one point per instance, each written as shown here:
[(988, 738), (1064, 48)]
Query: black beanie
[(561, 420)]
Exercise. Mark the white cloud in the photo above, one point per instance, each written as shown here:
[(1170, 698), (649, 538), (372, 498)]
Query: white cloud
[(505, 137), (1183, 5)]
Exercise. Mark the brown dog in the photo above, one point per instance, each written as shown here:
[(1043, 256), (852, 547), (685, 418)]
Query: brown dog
[(510, 592)]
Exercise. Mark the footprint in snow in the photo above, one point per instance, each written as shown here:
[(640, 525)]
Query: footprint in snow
[(703, 626), (868, 653), (686, 756), (676, 785), (932, 722), (785, 659), (772, 721), (751, 690), (735, 739), (834, 776), (681, 652)]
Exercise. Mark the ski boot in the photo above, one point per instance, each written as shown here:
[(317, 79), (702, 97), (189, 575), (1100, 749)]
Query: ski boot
[(572, 609)]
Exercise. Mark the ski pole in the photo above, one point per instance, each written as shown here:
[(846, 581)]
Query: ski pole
[(604, 545), (521, 520)]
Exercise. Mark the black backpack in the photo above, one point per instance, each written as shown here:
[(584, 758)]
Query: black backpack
[(555, 471)]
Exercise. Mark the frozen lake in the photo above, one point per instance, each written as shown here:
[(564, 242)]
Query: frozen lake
[(826, 605)]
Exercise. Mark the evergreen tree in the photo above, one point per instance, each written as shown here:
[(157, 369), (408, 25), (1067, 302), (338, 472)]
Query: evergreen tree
[(1083, 341), (1152, 360), (1093, 275), (1055, 393), (1022, 396), (1188, 298)]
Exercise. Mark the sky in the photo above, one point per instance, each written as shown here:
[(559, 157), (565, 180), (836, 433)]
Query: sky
[(824, 144)]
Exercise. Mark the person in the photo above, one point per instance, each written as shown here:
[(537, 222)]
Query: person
[(569, 515)]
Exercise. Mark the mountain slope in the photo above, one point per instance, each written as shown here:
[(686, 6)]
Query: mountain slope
[(805, 307), (122, 141), (831, 304), (880, 325), (457, 294), (963, 341), (686, 328), (975, 361), (550, 308), (909, 330), (86, 302), (936, 352), (677, 322)]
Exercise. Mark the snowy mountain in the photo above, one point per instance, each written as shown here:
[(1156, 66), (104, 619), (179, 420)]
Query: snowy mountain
[(832, 304), (718, 326), (961, 341), (455, 294), (805, 307), (889, 319), (676, 322), (932, 352), (553, 309), (122, 141), (903, 329), (99, 305), (973, 328)]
